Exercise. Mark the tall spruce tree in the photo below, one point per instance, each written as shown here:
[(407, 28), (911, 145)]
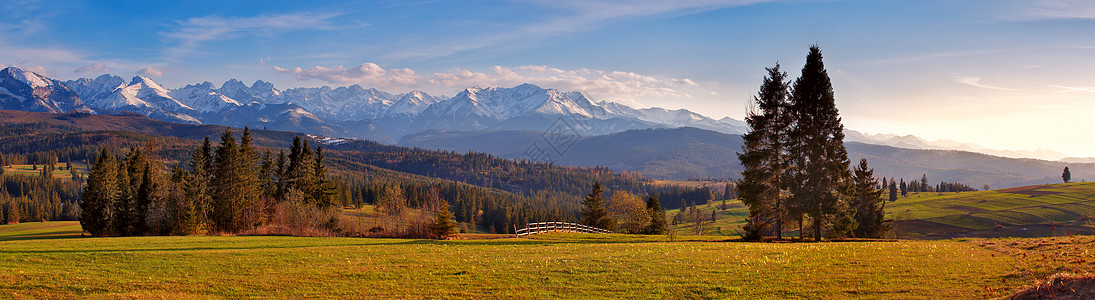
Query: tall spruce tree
[(867, 204), (1066, 175), (322, 189), (227, 210), (762, 156), (97, 205), (657, 215), (893, 191), (125, 207), (248, 185), (594, 212), (924, 187), (819, 171), (197, 188)]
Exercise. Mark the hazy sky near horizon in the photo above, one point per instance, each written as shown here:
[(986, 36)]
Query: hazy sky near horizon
[(1005, 74)]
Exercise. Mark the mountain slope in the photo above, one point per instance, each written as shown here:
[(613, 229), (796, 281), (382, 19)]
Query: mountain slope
[(29, 91), (689, 152)]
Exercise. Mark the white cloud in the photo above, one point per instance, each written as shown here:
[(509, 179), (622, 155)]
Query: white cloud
[(93, 68), (150, 72), (572, 16), (976, 82), (617, 86), (194, 31), (601, 85), (367, 74), (34, 68), (1058, 9), (1067, 89)]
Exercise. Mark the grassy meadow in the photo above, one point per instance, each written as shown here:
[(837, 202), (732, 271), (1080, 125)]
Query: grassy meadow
[(1033, 211), (47, 260), (29, 170)]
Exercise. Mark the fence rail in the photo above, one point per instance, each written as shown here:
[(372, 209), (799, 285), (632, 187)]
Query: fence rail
[(545, 227)]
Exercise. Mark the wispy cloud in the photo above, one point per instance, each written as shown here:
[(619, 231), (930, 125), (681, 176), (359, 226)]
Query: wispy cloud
[(192, 32), (976, 82), (1068, 89), (599, 84), (92, 68), (1057, 9), (150, 72), (368, 73), (576, 16)]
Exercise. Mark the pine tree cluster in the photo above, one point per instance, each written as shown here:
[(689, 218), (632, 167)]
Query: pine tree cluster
[(795, 163), (228, 188)]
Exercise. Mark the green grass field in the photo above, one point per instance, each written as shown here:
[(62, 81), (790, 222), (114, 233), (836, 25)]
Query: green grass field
[(29, 170), (49, 260), (1036, 211)]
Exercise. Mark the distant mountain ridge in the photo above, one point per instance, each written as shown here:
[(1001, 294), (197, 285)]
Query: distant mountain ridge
[(352, 111), (686, 152), (914, 142)]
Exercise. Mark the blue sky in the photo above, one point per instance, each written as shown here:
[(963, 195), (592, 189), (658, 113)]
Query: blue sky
[(1002, 74)]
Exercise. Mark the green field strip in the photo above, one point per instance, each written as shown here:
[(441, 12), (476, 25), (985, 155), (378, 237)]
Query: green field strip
[(965, 221), (1052, 214), (1083, 209), (1013, 217)]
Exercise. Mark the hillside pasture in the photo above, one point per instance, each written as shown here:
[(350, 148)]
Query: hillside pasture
[(1034, 211), (31, 170)]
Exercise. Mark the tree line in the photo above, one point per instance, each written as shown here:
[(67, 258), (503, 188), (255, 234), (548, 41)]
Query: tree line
[(36, 198), (227, 188), (796, 169), (921, 186)]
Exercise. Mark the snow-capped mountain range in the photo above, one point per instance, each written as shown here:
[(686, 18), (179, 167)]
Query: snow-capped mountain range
[(352, 111), (358, 112)]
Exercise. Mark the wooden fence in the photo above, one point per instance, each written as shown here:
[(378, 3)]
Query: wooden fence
[(545, 227)]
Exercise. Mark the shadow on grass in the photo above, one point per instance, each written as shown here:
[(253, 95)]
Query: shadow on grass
[(42, 236)]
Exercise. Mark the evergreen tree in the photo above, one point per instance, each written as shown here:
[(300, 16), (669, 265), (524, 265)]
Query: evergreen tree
[(207, 151), (904, 188), (594, 211), (147, 194), (281, 173), (226, 211), (300, 173), (267, 177), (321, 189), (820, 171), (197, 188), (183, 209), (96, 207), (762, 156), (657, 215), (443, 226), (248, 185), (893, 191), (125, 207), (868, 204), (1066, 175), (924, 187)]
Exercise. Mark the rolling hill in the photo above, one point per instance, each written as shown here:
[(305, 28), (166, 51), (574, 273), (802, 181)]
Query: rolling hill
[(682, 153), (1030, 211)]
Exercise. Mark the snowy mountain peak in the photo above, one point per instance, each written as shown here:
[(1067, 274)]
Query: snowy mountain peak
[(25, 90), (203, 98), (30, 78), (264, 89), (410, 104), (233, 84)]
